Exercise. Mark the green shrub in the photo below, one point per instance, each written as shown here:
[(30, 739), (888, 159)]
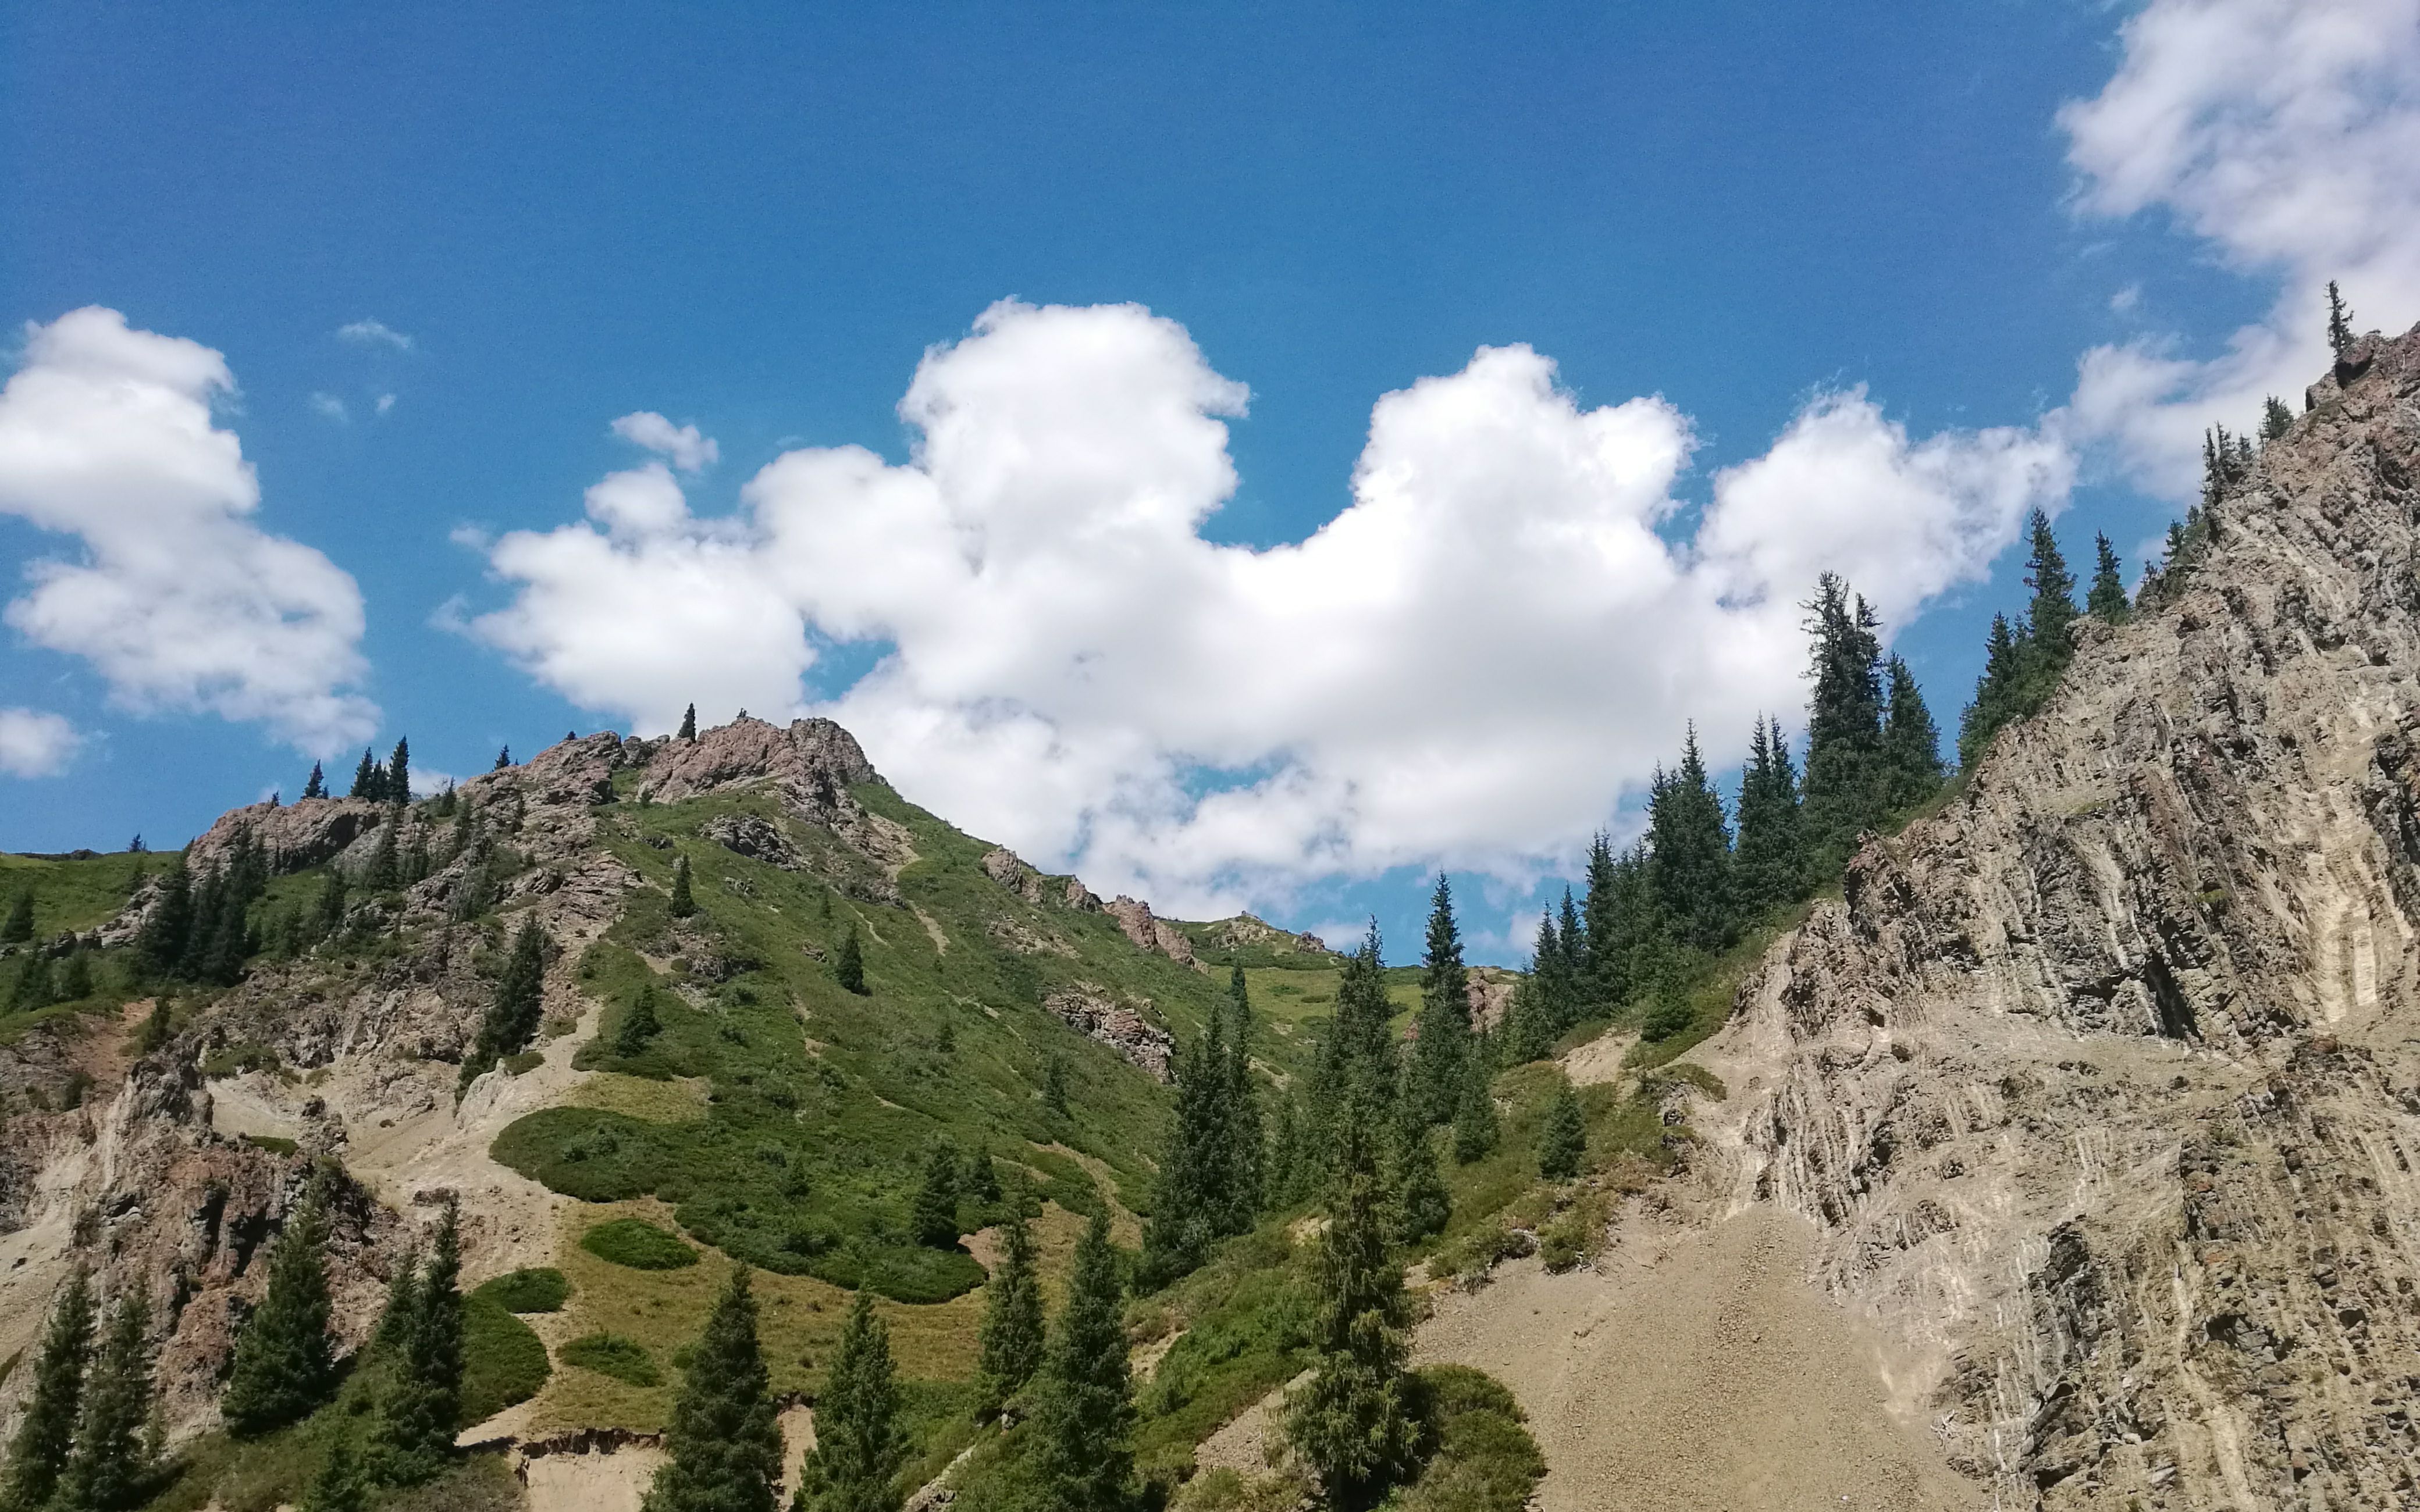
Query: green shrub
[(611, 1354), (1484, 1459), (1668, 1018), (274, 1144), (539, 1290), (528, 1060), (639, 1245), (502, 1360)]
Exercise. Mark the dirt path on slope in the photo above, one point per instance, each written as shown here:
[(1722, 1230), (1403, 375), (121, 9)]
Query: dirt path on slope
[(1698, 1373)]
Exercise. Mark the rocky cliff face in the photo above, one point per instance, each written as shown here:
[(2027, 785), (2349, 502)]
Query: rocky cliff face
[(2104, 1086)]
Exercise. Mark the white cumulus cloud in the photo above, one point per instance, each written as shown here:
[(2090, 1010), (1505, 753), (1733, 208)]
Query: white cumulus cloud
[(36, 744), (2286, 133), (1493, 640), (689, 451), (176, 598), (373, 333)]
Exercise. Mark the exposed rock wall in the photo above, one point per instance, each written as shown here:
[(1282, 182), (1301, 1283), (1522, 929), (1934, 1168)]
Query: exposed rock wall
[(2104, 1086)]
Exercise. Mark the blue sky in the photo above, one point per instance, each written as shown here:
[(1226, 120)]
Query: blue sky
[(757, 221)]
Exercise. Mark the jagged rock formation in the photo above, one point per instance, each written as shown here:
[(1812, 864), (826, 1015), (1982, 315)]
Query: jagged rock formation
[(1121, 1027), (2104, 1086), (1148, 933)]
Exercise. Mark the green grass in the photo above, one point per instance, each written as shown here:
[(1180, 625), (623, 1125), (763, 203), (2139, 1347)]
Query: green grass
[(540, 1289), (610, 1354), (75, 893), (821, 1105), (503, 1360), (638, 1245)]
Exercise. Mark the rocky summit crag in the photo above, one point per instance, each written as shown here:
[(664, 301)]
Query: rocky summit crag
[(2103, 1086)]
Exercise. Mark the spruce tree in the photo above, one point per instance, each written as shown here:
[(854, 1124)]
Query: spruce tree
[(34, 987), (76, 981), (934, 1215), (683, 903), (1564, 1002), (368, 781), (1441, 1043), (1082, 1451), (1475, 1127), (384, 873), (1600, 981), (37, 1456), (19, 926), (1910, 741), (640, 1026), (398, 773), (1054, 1082), (513, 1016), (2107, 600), (1769, 866), (1245, 1181), (328, 911), (1355, 1421), (1012, 1337), (2276, 418), (340, 1486), (1419, 1205), (1562, 1137), (402, 1297), (1177, 1237), (109, 1470), (2340, 321), (1998, 693), (318, 786), (168, 929), (1846, 785), (420, 1411), (848, 964), (688, 723), (2052, 611), (860, 1443), (285, 1359), (722, 1450), (504, 759), (1286, 1167), (1689, 848)]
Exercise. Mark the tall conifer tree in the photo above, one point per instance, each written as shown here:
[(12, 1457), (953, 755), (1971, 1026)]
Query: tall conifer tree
[(1998, 693), (1442, 1043), (1083, 1417), (109, 1470), (1910, 741), (722, 1449), (398, 773), (514, 1015), (318, 785), (1846, 786), (1243, 1160), (37, 1456), (420, 1410), (684, 901), (1769, 864), (2107, 600), (848, 964), (1475, 1126), (934, 1215), (1354, 1422), (285, 1359), (2340, 321), (1012, 1337), (860, 1444), (2052, 614), (1689, 850), (1562, 1137), (688, 723)]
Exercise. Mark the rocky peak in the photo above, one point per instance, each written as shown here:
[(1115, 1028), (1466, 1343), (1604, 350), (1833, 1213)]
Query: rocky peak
[(2099, 1084), (809, 760)]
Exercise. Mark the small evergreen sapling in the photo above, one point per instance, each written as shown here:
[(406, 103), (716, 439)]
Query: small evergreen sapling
[(684, 902), (848, 964), (934, 1216), (340, 1486), (2340, 321), (1054, 1086), (18, 927), (1562, 1137), (2276, 418), (640, 1026)]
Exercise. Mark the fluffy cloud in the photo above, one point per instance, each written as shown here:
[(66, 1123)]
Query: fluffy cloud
[(373, 333), (179, 599), (690, 451), (36, 744), (1493, 640), (2284, 131)]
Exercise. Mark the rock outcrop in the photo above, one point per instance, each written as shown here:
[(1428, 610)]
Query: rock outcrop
[(2104, 1086), (1148, 932), (1122, 1029)]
